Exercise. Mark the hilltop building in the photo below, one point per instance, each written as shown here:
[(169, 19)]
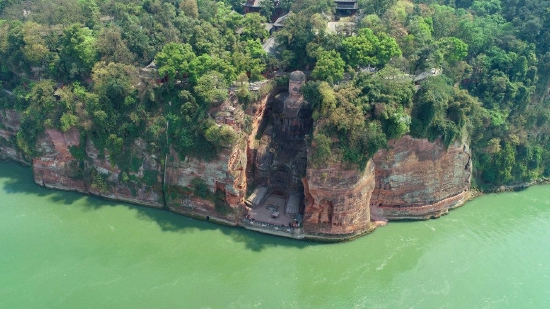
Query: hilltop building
[(346, 7)]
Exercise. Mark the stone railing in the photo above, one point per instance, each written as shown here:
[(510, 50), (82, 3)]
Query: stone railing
[(274, 229)]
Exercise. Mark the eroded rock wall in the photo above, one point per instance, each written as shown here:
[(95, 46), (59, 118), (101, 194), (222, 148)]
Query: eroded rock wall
[(224, 177), (418, 179), (56, 167), (337, 200), (93, 173), (141, 184), (10, 123)]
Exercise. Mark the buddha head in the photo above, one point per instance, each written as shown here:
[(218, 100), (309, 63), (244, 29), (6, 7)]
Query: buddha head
[(295, 83)]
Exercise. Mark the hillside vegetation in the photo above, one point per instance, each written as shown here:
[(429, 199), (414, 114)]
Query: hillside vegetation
[(450, 70)]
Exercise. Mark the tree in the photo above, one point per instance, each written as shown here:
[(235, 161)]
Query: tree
[(267, 8), (11, 45), (293, 39), (190, 8), (486, 7), (78, 52), (321, 150), (445, 21), (90, 12), (212, 88), (377, 6), (387, 49), (64, 12), (360, 50), (115, 85), (204, 63), (329, 67), (310, 7), (207, 9), (366, 48), (35, 49), (249, 57), (454, 49), (252, 27), (174, 60), (112, 47), (221, 136)]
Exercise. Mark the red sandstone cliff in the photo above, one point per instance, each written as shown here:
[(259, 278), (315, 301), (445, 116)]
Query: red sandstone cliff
[(9, 126), (337, 200), (57, 168), (418, 179), (95, 174), (141, 185), (412, 179), (224, 176)]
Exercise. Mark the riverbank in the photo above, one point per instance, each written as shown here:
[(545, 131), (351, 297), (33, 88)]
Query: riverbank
[(69, 250), (299, 233)]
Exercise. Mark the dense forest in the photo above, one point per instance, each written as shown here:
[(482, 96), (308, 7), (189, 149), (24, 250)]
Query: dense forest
[(89, 64)]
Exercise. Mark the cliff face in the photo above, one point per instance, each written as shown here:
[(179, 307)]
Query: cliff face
[(56, 167), (9, 126), (145, 179), (337, 200), (142, 184), (93, 174), (224, 178), (217, 188), (417, 179), (412, 179)]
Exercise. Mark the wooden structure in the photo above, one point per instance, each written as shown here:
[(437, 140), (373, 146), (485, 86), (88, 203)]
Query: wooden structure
[(346, 7)]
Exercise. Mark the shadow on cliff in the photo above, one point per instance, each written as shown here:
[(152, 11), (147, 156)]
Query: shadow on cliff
[(18, 179)]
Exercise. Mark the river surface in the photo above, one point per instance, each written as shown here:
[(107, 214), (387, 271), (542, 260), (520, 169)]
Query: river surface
[(66, 250)]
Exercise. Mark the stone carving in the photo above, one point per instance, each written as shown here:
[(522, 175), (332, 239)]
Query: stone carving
[(281, 153), (337, 200)]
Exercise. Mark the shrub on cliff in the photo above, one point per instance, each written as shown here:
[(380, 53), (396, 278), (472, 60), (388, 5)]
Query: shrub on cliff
[(221, 136)]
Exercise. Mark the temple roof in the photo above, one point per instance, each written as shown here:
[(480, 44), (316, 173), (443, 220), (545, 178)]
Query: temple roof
[(347, 5)]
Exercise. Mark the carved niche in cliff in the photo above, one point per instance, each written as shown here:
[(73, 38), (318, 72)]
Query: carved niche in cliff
[(281, 153)]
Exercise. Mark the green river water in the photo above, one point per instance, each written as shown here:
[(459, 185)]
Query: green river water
[(66, 250)]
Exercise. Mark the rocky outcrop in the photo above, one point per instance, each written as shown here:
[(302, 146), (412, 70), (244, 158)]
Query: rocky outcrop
[(56, 167), (141, 184), (215, 189), (10, 123), (337, 200), (92, 172), (418, 179), (224, 178)]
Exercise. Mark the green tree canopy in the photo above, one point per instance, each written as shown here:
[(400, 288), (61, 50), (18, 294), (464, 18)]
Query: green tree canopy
[(329, 67), (174, 60), (366, 48)]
